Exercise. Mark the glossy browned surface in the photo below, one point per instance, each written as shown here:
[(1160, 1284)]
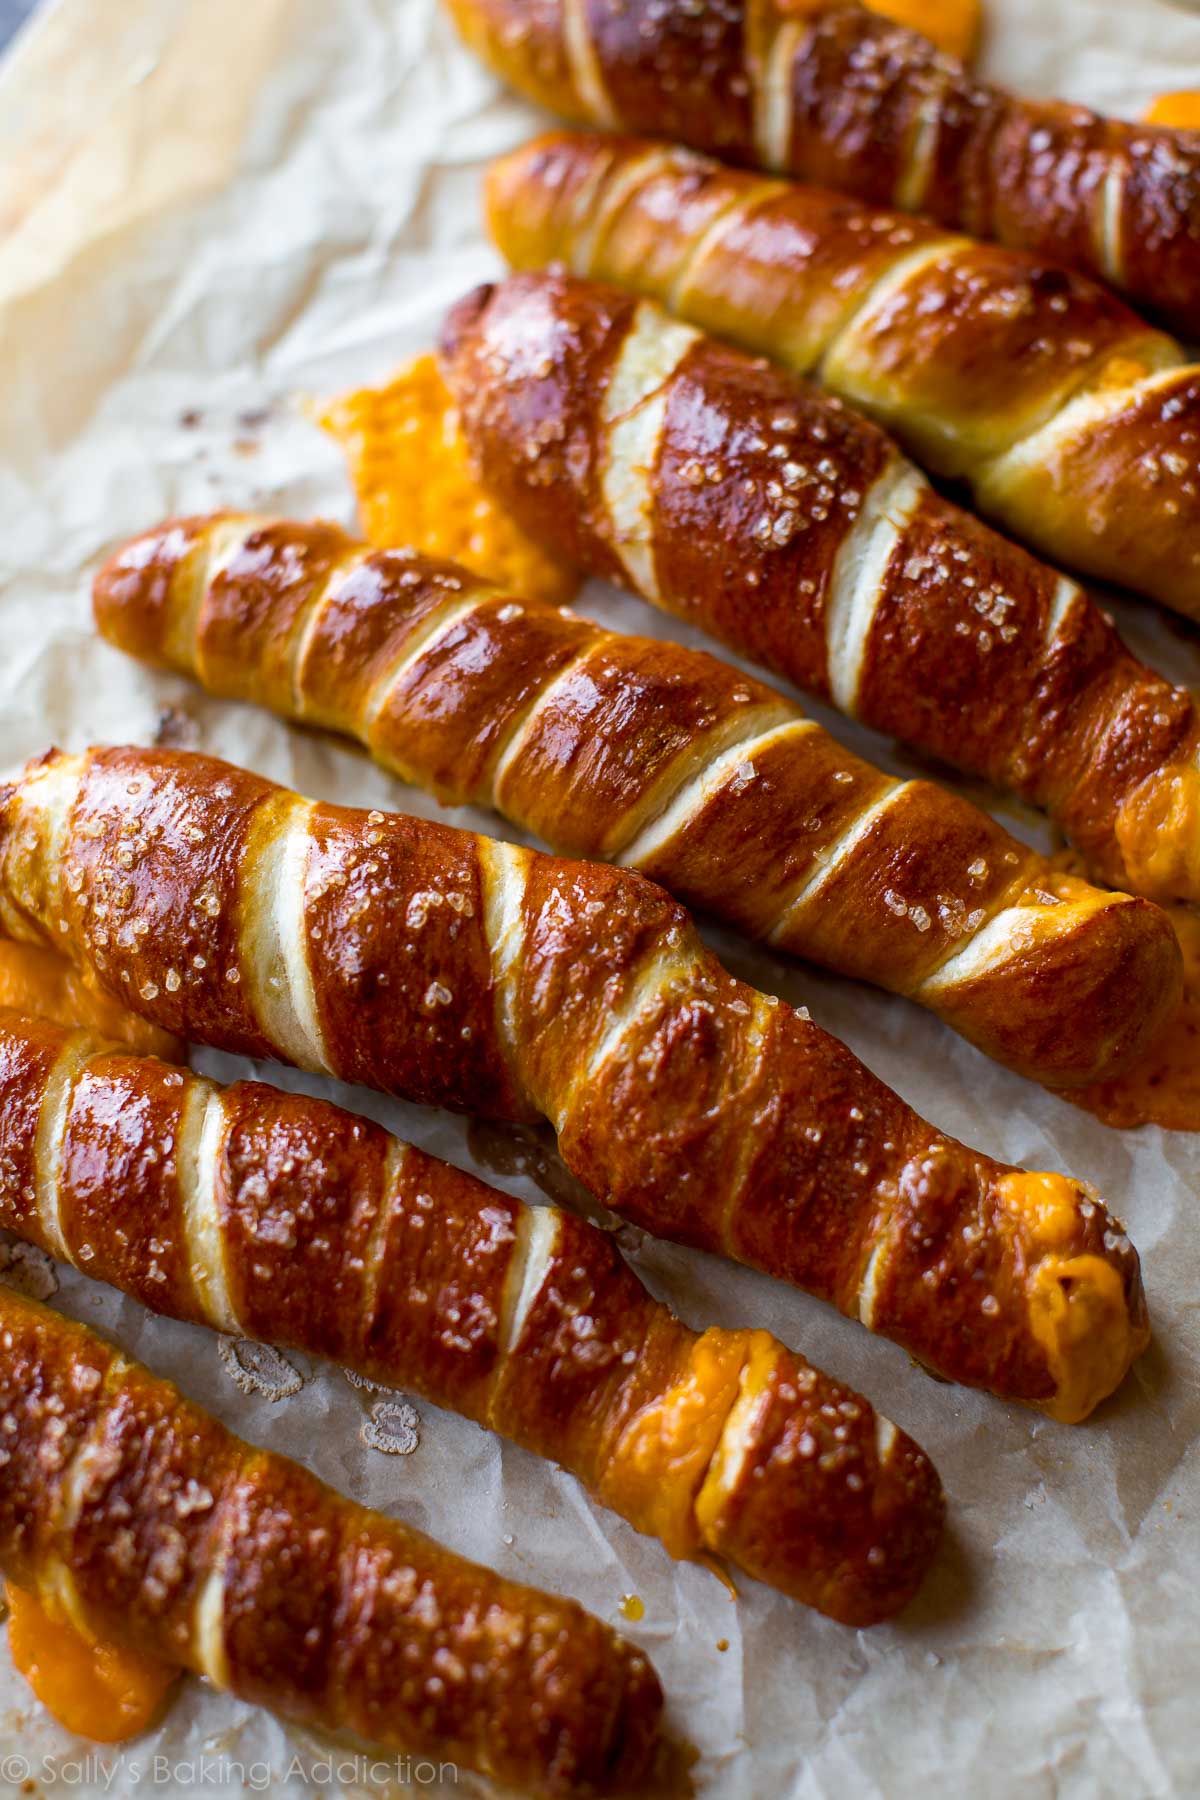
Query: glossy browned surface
[(51, 1390), (776, 543), (536, 410), (151, 1511), (787, 264), (523, 39), (961, 349), (446, 1257), (149, 571), (28, 1056), (606, 749), (1041, 177), (394, 928), (1147, 451), (1074, 726), (761, 833), (802, 260), (285, 1588), (966, 354), (1160, 223), (859, 86), (487, 669), (299, 1191), (569, 1395), (1062, 968), (970, 1258), (589, 934), (668, 63), (957, 670), (254, 603), (943, 863), (988, 337), (543, 198), (122, 1135), (330, 1613), (356, 637), (525, 1685), (154, 889), (757, 474)]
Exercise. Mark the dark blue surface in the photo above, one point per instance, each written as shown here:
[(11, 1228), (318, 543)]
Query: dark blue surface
[(12, 13)]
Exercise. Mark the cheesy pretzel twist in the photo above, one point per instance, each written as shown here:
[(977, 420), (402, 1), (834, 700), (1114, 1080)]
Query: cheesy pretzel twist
[(458, 971), (287, 1219), (148, 1522)]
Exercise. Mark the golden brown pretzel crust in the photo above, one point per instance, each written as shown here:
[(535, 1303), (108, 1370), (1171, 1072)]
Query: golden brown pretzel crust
[(661, 456), (301, 1224), (837, 95), (154, 1525), (661, 758), (1074, 423), (456, 970)]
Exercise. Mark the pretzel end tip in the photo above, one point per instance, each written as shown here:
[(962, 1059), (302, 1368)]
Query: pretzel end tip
[(820, 1496), (1086, 1303), (460, 323), (134, 598)]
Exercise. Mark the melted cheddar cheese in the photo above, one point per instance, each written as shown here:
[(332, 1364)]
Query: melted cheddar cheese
[(95, 1689), (763, 1352), (1077, 1307), (1046, 1206), (412, 473), (1078, 1315), (664, 1454), (1121, 372), (46, 986), (1181, 111), (953, 25)]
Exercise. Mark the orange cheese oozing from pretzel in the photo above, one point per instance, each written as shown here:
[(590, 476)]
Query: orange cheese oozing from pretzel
[(412, 473), (1181, 110), (46, 986), (664, 1454), (95, 1689), (953, 25), (1077, 1307)]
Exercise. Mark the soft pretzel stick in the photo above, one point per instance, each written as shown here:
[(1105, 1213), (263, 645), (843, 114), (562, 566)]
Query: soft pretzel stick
[(1076, 425), (302, 1224), (148, 1523), (740, 498), (458, 971), (836, 95), (666, 760)]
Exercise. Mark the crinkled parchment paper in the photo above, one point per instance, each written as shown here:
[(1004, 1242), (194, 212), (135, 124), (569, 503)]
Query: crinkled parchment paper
[(210, 208)]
